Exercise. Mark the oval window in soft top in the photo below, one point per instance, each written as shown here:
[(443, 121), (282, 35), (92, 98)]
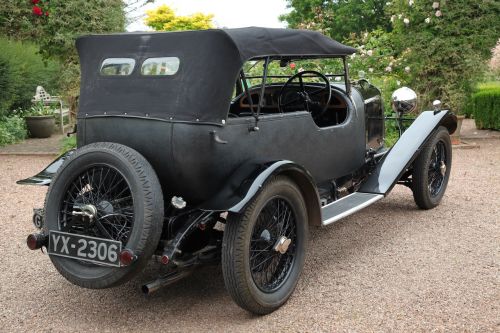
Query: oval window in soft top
[(117, 66), (160, 66)]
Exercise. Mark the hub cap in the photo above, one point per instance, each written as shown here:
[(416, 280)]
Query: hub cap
[(98, 203), (273, 244), (437, 169)]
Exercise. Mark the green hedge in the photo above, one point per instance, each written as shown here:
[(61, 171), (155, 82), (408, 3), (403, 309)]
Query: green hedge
[(12, 130), (486, 106), (22, 69)]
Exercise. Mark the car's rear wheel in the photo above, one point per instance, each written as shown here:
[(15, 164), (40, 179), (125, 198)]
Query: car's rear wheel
[(431, 170), (121, 189), (264, 247)]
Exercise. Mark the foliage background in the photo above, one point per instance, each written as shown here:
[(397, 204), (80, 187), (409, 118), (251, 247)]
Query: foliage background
[(485, 105), (440, 48), (56, 33), (21, 71), (164, 18)]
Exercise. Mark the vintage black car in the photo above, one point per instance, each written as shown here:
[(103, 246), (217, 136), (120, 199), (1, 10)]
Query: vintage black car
[(194, 149)]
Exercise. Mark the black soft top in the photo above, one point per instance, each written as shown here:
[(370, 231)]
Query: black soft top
[(210, 61)]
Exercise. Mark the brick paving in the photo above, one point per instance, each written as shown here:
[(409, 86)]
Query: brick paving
[(471, 133), (48, 146)]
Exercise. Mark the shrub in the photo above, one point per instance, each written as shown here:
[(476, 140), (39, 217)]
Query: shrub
[(68, 143), (486, 106), (22, 69), (12, 130)]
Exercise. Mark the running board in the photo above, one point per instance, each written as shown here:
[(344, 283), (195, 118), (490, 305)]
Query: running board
[(346, 206)]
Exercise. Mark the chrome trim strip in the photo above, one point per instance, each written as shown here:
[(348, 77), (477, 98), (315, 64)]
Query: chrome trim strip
[(372, 99)]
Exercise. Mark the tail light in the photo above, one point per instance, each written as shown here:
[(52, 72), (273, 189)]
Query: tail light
[(127, 257), (165, 259), (36, 241)]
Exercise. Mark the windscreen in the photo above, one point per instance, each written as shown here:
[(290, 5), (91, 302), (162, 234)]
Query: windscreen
[(280, 70)]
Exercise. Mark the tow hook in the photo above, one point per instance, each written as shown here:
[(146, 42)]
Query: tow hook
[(37, 241)]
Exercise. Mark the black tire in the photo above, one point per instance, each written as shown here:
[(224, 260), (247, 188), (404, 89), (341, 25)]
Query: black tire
[(239, 277), (145, 200), (429, 178)]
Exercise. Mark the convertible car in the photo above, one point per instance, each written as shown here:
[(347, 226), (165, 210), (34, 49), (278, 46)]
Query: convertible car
[(214, 146)]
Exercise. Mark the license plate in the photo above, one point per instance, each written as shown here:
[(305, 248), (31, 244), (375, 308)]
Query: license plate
[(92, 249)]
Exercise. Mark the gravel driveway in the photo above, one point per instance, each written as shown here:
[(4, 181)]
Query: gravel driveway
[(390, 267)]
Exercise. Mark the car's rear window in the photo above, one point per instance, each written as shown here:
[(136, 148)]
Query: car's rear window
[(117, 66), (160, 66)]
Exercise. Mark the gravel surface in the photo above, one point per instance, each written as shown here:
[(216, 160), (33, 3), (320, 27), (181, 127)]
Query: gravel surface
[(390, 267)]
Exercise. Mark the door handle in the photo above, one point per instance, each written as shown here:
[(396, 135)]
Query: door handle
[(216, 138)]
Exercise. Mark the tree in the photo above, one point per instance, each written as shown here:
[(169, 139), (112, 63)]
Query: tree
[(495, 60), (55, 24), (338, 18), (164, 18), (449, 43)]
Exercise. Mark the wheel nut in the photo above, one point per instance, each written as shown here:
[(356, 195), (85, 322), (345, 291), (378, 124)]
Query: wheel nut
[(282, 244)]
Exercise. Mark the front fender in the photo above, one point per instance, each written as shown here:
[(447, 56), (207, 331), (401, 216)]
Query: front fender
[(393, 165), (45, 176), (248, 180)]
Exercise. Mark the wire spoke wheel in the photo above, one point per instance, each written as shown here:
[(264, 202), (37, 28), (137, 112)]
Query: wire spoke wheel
[(263, 249), (437, 168), (98, 203), (270, 267), (431, 170), (109, 191)]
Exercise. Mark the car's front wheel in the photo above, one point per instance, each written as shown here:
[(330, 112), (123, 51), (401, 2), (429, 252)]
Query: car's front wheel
[(264, 247), (431, 170)]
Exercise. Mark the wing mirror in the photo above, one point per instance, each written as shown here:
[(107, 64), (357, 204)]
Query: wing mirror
[(404, 100)]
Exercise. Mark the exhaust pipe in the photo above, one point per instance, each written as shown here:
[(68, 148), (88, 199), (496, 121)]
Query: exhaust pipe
[(164, 281)]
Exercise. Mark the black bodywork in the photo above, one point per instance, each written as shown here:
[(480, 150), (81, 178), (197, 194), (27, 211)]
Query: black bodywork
[(215, 150), (179, 122)]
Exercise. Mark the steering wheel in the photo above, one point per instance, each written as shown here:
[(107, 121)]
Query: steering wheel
[(303, 97)]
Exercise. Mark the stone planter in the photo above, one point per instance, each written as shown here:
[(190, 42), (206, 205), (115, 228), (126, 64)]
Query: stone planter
[(40, 126), (455, 137)]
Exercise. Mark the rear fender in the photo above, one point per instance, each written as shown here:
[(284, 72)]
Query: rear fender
[(45, 176), (248, 180), (398, 159)]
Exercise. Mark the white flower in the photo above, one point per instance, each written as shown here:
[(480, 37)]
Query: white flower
[(388, 69), (369, 52), (406, 21), (365, 35), (400, 16), (353, 55), (398, 83), (428, 20), (393, 17), (388, 3), (438, 13), (407, 69), (370, 70), (435, 5), (410, 2)]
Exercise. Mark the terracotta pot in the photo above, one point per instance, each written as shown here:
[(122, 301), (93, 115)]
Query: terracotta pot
[(40, 126), (455, 137)]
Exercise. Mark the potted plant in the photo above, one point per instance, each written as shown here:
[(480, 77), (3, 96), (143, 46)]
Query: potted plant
[(40, 121)]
